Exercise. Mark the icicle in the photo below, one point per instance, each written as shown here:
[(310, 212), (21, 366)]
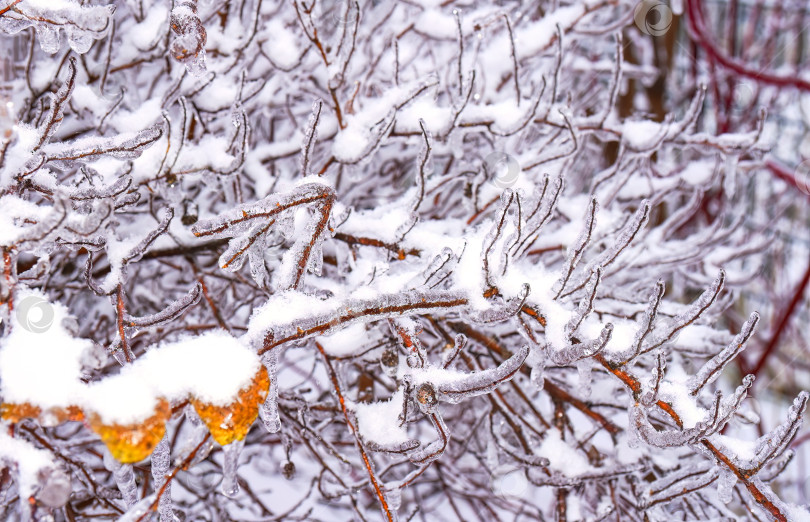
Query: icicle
[(585, 377), (536, 361), (394, 498), (492, 454), (536, 375), (199, 432), (124, 478), (268, 412), (725, 485), (230, 480), (161, 460)]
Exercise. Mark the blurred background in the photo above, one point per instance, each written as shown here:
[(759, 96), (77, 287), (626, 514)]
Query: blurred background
[(753, 56)]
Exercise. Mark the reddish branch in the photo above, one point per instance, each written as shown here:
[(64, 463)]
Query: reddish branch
[(416, 305), (783, 173), (554, 391), (8, 7), (9, 280), (783, 322), (697, 26), (377, 489), (635, 385), (367, 241), (120, 312)]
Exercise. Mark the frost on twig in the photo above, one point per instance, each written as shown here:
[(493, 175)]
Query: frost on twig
[(188, 45), (711, 370), (82, 24)]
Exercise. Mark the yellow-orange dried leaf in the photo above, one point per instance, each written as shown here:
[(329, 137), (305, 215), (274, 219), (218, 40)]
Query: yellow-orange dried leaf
[(17, 412), (71, 413), (133, 443), (54, 416), (233, 421)]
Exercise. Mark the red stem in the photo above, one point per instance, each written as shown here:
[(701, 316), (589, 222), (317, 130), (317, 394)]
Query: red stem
[(783, 322), (782, 172), (698, 33)]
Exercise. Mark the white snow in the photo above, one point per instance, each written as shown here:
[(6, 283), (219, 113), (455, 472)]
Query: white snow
[(378, 421), (561, 456), (12, 220), (44, 369), (345, 342), (41, 368), (30, 461)]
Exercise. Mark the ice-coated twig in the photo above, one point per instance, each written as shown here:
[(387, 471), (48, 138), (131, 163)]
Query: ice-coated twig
[(641, 427), (501, 312), (576, 250), (626, 236), (82, 24), (161, 463), (310, 136), (439, 268), (494, 233), (679, 482), (372, 477), (268, 411), (247, 223), (422, 161), (57, 110), (773, 444), (586, 304), (695, 310), (121, 185), (124, 478), (448, 356), (429, 453), (726, 408), (544, 208), (124, 146), (402, 447), (175, 309), (579, 350), (709, 372), (540, 477), (484, 381), (140, 249), (349, 311), (646, 325), (515, 453)]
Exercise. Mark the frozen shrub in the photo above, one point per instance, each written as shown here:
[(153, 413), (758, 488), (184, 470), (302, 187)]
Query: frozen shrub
[(424, 250)]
